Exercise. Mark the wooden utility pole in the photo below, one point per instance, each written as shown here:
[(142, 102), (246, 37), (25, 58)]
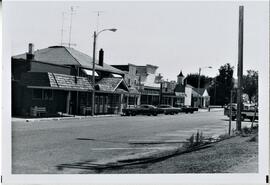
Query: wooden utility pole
[(240, 67), (230, 120)]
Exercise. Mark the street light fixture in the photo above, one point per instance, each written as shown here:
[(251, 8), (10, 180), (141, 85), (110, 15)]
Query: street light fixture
[(199, 79), (94, 62)]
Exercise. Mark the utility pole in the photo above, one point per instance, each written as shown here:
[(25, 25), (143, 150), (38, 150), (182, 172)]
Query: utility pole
[(93, 74), (240, 67), (230, 121), (160, 93), (199, 80)]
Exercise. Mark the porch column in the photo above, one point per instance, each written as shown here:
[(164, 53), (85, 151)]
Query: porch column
[(121, 103), (127, 100), (68, 102), (139, 100), (171, 101)]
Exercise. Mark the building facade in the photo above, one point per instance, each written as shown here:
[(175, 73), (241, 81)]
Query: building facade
[(58, 79)]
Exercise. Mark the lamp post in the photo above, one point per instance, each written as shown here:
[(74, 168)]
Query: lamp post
[(94, 62), (199, 79)]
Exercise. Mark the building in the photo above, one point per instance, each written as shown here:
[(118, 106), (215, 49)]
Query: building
[(58, 79), (149, 84), (188, 95), (201, 97), (132, 80)]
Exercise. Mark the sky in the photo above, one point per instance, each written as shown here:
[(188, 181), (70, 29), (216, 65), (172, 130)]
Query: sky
[(174, 36)]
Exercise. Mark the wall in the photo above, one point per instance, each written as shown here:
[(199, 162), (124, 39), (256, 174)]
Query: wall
[(57, 104), (188, 92), (18, 67)]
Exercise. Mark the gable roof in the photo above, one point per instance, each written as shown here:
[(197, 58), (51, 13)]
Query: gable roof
[(200, 91), (112, 85), (62, 55)]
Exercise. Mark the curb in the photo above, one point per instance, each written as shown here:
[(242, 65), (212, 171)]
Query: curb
[(63, 118)]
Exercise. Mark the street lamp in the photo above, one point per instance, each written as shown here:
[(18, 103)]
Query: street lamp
[(94, 61), (199, 78)]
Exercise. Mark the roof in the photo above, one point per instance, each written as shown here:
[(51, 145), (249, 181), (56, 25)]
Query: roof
[(112, 84), (62, 55), (180, 74), (179, 88), (56, 81), (199, 90), (133, 90)]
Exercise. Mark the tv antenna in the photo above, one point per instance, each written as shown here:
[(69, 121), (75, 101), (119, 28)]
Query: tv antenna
[(62, 29), (72, 12)]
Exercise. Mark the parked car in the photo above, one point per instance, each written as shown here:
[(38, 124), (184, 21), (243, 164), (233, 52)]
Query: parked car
[(248, 111), (142, 109), (167, 109), (187, 109)]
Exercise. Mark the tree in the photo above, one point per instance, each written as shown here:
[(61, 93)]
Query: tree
[(192, 79), (250, 85), (220, 89)]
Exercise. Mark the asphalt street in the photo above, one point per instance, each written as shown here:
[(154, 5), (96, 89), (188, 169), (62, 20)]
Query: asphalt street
[(39, 147)]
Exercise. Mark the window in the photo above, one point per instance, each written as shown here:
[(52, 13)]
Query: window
[(42, 94)]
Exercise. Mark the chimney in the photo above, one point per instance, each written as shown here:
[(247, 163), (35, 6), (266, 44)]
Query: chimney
[(101, 56), (30, 54)]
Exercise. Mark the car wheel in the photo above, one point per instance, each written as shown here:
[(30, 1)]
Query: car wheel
[(133, 114), (154, 114), (191, 112)]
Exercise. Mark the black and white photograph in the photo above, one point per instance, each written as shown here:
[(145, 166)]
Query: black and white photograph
[(117, 89)]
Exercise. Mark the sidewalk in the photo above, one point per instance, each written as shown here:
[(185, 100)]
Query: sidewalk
[(70, 117), (211, 110)]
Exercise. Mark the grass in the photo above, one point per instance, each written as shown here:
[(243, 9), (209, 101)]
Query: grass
[(219, 158)]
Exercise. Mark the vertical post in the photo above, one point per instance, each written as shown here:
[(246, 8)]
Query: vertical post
[(68, 102), (93, 75), (240, 67), (230, 121), (198, 100), (215, 91), (160, 94), (71, 12)]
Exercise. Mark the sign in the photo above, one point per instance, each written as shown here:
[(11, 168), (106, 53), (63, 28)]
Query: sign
[(180, 94)]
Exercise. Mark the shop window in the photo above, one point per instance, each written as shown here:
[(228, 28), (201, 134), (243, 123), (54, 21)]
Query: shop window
[(37, 94)]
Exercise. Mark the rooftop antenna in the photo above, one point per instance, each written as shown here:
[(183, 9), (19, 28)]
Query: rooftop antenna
[(62, 29), (72, 12)]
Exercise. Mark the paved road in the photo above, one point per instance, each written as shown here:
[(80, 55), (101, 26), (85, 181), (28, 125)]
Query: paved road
[(39, 147)]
